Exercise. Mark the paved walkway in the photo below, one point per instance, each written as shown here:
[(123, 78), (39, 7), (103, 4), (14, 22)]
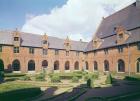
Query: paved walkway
[(121, 87)]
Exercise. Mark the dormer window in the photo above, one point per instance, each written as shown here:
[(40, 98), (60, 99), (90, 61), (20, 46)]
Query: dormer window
[(45, 42), (67, 44), (95, 42), (120, 36), (16, 38)]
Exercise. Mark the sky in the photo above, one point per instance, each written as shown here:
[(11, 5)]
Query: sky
[(77, 19)]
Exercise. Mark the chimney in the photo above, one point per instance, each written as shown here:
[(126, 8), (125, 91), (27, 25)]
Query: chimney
[(80, 40), (137, 3)]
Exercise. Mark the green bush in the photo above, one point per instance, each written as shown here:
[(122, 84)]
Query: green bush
[(90, 83), (109, 79), (55, 78), (75, 79), (40, 77)]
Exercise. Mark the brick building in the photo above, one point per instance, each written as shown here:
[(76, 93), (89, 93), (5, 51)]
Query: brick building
[(115, 47)]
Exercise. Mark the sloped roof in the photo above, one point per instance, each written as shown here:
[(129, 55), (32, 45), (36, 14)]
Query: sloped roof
[(34, 40), (128, 17)]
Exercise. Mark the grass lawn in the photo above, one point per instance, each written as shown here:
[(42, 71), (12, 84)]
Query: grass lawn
[(14, 91)]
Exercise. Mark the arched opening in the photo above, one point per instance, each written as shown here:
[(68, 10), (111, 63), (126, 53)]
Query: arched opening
[(95, 65), (16, 65), (44, 63), (121, 65), (86, 65), (76, 65), (106, 65), (56, 65), (1, 65), (67, 65), (31, 65), (138, 66)]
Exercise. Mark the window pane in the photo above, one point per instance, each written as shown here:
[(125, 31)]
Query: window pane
[(138, 46), (16, 38), (0, 48), (56, 52), (45, 51), (31, 50), (16, 49)]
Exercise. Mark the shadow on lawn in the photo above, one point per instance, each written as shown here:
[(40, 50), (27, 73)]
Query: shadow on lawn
[(69, 95), (18, 95)]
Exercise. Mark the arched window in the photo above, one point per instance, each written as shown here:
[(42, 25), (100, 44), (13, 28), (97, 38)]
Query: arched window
[(106, 65), (86, 65), (138, 66), (56, 65), (44, 63), (67, 65), (76, 65), (16, 65), (121, 65), (95, 65), (31, 65), (1, 65)]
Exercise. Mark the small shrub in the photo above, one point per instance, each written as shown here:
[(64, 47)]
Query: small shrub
[(96, 75), (40, 77), (55, 78), (109, 79), (1, 76), (25, 78), (90, 83), (75, 79), (86, 77)]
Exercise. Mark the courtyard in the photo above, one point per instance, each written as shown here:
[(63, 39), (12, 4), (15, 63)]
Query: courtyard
[(70, 87)]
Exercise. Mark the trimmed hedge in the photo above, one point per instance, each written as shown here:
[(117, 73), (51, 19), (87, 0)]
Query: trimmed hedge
[(18, 95), (75, 79), (14, 74), (132, 78), (40, 77), (55, 78)]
